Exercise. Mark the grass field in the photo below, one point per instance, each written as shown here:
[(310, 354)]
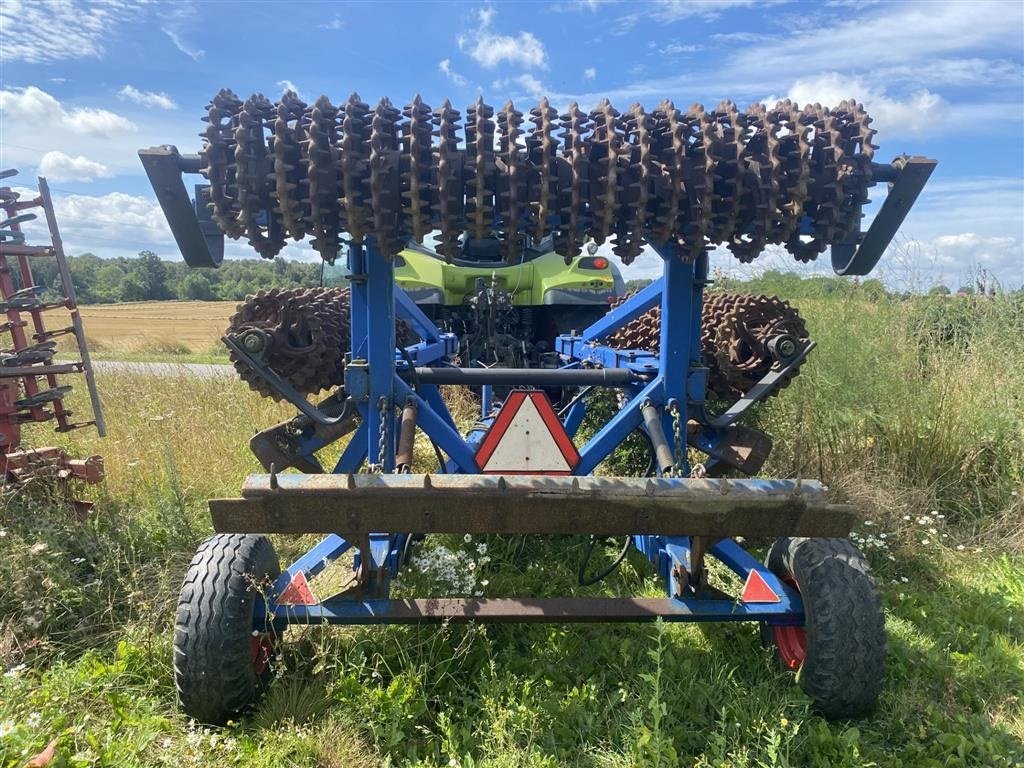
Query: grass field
[(913, 411), (184, 331)]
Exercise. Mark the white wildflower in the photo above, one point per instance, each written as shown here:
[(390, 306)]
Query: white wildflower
[(6, 728)]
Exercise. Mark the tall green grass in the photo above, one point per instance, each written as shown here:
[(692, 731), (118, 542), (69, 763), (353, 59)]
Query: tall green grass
[(911, 410), (924, 396)]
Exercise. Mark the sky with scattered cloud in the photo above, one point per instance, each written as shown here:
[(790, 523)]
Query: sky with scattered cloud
[(83, 85)]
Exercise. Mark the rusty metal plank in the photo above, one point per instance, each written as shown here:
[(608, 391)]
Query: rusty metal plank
[(561, 610), (356, 505)]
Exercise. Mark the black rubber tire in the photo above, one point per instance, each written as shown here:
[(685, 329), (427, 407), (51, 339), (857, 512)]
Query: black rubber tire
[(214, 670), (844, 667)]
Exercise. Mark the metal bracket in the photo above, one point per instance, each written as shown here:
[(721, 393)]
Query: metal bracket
[(279, 385), (772, 381), (199, 239), (861, 252)]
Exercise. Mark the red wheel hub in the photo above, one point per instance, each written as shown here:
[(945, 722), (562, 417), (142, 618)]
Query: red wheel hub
[(262, 652), (791, 640)]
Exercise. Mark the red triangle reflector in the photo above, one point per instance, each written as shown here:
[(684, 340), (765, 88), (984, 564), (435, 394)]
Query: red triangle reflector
[(297, 592), (756, 590)]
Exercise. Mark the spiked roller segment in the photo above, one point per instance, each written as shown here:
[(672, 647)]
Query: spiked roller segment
[(480, 169), (385, 195), (637, 178), (305, 337), (543, 148), (355, 168), (290, 131), (303, 329), (569, 240), (735, 333), (254, 177), (448, 161), (417, 171), (787, 175), (512, 167), (321, 162), (605, 149), (219, 161)]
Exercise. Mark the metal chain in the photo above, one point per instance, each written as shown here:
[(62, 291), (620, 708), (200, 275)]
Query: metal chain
[(677, 435), (378, 468)]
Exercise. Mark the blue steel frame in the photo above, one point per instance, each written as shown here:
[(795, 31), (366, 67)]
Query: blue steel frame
[(674, 381)]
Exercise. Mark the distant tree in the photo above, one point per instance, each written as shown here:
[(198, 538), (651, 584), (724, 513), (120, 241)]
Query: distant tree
[(132, 288), (195, 286), (938, 290), (107, 281), (151, 273)]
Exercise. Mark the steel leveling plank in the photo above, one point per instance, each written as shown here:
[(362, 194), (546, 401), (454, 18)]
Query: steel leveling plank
[(356, 505)]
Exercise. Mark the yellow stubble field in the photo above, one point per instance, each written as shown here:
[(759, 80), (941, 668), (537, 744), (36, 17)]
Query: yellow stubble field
[(142, 328)]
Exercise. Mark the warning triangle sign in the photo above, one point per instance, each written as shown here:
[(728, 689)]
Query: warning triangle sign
[(527, 438), (756, 590)]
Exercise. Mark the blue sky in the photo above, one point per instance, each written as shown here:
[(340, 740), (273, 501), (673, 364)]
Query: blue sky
[(84, 85)]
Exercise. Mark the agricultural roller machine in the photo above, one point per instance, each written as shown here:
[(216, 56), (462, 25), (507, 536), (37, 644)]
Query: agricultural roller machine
[(369, 183), (33, 385)]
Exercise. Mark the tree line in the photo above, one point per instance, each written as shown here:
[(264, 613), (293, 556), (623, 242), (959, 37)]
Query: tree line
[(147, 277)]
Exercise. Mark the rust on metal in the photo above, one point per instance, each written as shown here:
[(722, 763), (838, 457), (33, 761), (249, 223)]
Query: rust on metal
[(515, 610), (356, 505), (697, 178)]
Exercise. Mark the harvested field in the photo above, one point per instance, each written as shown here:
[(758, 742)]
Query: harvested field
[(152, 330)]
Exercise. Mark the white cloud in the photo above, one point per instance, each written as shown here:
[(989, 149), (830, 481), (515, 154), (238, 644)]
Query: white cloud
[(35, 108), (589, 73), (335, 23), (709, 10), (114, 224), (38, 32), (118, 224), (919, 113), (182, 45), (956, 227), (882, 39), (56, 166), (156, 99), (288, 85), (489, 49), (677, 49), (446, 67), (33, 122), (486, 16), (526, 85)]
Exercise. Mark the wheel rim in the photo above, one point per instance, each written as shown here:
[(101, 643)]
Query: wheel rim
[(791, 640), (262, 652)]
